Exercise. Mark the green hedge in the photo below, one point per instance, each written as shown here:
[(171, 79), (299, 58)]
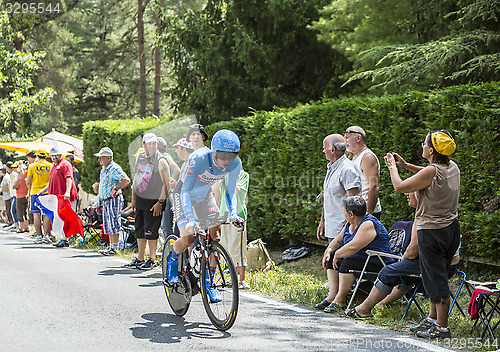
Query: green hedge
[(123, 137), (282, 151), (115, 134)]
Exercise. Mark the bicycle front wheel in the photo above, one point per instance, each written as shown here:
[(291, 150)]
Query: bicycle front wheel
[(221, 277), (178, 295)]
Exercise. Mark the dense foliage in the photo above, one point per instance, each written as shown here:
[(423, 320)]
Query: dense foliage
[(17, 69), (115, 134), (239, 54), (124, 139), (282, 151), (92, 64), (396, 46)]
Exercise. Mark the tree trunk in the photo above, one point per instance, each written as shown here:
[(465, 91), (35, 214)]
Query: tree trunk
[(142, 57), (156, 96), (156, 107)]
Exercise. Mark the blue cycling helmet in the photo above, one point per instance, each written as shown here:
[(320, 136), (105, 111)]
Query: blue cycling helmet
[(225, 141)]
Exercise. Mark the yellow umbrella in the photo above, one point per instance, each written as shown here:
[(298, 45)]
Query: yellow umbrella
[(24, 147)]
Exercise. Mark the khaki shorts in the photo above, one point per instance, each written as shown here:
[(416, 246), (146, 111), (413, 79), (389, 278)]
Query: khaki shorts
[(232, 240)]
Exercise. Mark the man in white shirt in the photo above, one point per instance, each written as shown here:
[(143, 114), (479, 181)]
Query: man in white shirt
[(342, 180)]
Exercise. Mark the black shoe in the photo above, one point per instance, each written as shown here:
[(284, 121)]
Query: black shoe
[(61, 243), (435, 332), (148, 265), (424, 325), (136, 263)]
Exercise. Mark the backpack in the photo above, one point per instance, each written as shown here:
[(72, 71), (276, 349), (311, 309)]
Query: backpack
[(258, 257), (397, 241), (295, 252)]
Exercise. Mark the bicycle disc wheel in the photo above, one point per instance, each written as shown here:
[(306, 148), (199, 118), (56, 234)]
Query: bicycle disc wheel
[(222, 314), (178, 295)]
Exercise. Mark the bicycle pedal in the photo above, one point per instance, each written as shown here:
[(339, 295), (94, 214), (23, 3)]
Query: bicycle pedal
[(169, 284)]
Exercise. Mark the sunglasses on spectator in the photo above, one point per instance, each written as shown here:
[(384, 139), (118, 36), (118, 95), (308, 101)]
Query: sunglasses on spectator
[(351, 131)]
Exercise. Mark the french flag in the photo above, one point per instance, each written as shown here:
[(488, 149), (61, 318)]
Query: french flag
[(65, 222)]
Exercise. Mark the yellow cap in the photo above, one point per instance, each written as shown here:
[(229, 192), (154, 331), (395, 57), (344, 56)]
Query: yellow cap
[(139, 151), (41, 153), (443, 142)]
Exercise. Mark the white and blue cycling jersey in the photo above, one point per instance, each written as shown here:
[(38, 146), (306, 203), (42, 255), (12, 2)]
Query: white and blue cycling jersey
[(201, 174)]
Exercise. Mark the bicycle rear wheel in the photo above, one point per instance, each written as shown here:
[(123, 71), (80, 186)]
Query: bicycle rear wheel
[(178, 295), (222, 314)]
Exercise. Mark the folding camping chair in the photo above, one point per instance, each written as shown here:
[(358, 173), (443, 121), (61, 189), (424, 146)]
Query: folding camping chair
[(399, 239), (487, 302), (411, 295), (92, 227), (398, 246)]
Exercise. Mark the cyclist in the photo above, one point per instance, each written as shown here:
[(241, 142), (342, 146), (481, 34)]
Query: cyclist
[(205, 167)]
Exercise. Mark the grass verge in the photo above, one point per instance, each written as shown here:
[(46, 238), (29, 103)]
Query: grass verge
[(301, 282)]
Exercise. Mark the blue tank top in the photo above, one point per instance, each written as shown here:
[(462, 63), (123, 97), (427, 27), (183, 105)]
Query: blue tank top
[(380, 242)]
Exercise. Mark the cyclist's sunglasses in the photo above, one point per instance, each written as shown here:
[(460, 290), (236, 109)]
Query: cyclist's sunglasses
[(225, 156)]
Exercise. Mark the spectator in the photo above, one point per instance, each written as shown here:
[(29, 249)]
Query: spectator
[(167, 221), (12, 175), (197, 136), (76, 174), (342, 179), (61, 183), (5, 185), (76, 177), (388, 287), (232, 238), (97, 203), (347, 251), (111, 182), (367, 162), (21, 196), (389, 277), (183, 149), (437, 188), (37, 179), (149, 193), (31, 158)]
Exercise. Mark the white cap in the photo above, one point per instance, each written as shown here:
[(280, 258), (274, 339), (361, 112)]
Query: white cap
[(105, 152), (149, 137)]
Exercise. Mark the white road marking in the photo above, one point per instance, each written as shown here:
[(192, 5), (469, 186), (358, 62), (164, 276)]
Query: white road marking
[(426, 344), (273, 302)]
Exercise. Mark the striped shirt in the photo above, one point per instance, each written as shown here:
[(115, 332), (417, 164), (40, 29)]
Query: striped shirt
[(110, 177)]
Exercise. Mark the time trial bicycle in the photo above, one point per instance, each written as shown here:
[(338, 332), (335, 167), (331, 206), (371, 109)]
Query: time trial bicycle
[(193, 271)]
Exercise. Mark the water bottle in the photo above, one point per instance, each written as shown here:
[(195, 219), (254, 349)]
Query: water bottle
[(195, 261)]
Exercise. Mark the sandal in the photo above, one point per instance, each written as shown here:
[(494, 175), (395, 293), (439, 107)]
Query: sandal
[(322, 305), (353, 313), (334, 307)]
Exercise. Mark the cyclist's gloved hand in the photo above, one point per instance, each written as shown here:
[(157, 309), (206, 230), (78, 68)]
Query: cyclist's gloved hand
[(192, 225), (236, 220)]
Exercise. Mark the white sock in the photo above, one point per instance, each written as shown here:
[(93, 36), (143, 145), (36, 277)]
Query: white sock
[(432, 320)]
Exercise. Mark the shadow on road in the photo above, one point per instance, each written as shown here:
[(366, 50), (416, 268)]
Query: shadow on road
[(169, 328), (39, 246), (85, 256), (159, 282), (119, 270), (135, 274)]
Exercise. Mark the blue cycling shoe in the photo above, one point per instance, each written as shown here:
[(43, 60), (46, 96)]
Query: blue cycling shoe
[(173, 268), (212, 292)]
